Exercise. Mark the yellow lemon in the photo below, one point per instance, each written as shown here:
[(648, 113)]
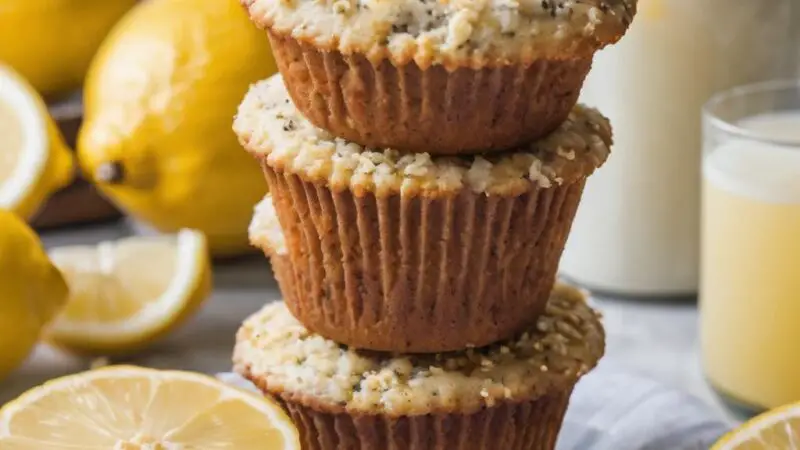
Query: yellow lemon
[(127, 408), (34, 161), (32, 290), (127, 293), (778, 429), (51, 42), (160, 99)]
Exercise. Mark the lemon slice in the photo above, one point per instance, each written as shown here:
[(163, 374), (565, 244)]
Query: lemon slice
[(778, 429), (34, 161), (131, 408), (125, 294)]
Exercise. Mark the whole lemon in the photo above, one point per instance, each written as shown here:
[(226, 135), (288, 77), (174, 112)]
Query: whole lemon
[(32, 291), (51, 42), (159, 102)]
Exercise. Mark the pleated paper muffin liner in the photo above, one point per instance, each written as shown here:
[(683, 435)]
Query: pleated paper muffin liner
[(431, 110), (284, 275), (531, 425), (419, 274)]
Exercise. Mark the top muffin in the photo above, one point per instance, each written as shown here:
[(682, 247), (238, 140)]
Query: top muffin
[(480, 32)]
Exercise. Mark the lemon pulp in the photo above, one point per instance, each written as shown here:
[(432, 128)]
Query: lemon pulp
[(127, 293), (131, 408), (11, 130), (35, 161)]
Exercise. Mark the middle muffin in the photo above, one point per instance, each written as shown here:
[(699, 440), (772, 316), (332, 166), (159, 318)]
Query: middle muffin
[(413, 253)]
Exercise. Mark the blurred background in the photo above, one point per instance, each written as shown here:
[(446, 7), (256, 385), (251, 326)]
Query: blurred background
[(134, 103)]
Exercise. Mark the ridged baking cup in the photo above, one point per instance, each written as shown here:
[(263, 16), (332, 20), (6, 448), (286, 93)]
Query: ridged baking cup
[(531, 425), (435, 110), (284, 275), (418, 274)]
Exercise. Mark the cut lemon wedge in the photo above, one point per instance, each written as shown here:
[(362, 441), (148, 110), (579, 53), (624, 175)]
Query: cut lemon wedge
[(127, 293), (34, 161), (778, 429), (131, 408)]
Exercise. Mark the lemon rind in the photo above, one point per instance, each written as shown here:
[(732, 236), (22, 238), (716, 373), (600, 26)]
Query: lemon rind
[(752, 428), (33, 162)]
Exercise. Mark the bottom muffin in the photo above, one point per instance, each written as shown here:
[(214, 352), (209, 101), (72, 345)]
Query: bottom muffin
[(511, 395)]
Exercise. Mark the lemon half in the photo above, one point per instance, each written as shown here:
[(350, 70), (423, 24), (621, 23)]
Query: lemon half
[(778, 429), (127, 408), (127, 293), (35, 161)]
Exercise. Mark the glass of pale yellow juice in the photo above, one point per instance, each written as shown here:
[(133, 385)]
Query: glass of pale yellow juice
[(750, 252)]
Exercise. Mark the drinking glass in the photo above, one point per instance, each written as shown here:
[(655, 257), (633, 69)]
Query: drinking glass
[(750, 244)]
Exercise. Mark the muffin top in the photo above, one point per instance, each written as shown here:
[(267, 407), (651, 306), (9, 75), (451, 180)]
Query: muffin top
[(268, 124), (284, 358), (453, 33), (265, 231)]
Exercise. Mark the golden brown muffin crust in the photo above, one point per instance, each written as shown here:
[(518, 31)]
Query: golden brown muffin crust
[(269, 125), (453, 33), (285, 359)]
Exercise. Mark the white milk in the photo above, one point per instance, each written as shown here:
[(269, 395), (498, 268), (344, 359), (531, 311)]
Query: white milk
[(637, 229), (760, 171)]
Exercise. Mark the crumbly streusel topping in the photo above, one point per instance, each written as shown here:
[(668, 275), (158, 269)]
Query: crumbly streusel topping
[(450, 32), (564, 344), (268, 123), (265, 231)]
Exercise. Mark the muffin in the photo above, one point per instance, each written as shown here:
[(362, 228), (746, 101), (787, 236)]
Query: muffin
[(415, 253), (265, 230), (439, 77), (511, 395)]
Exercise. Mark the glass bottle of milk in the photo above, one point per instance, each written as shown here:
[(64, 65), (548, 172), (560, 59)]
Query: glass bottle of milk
[(637, 229)]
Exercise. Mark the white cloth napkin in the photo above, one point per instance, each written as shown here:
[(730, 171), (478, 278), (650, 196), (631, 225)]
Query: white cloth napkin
[(614, 410)]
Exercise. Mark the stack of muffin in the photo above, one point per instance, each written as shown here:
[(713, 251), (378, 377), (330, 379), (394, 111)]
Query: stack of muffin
[(425, 160)]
